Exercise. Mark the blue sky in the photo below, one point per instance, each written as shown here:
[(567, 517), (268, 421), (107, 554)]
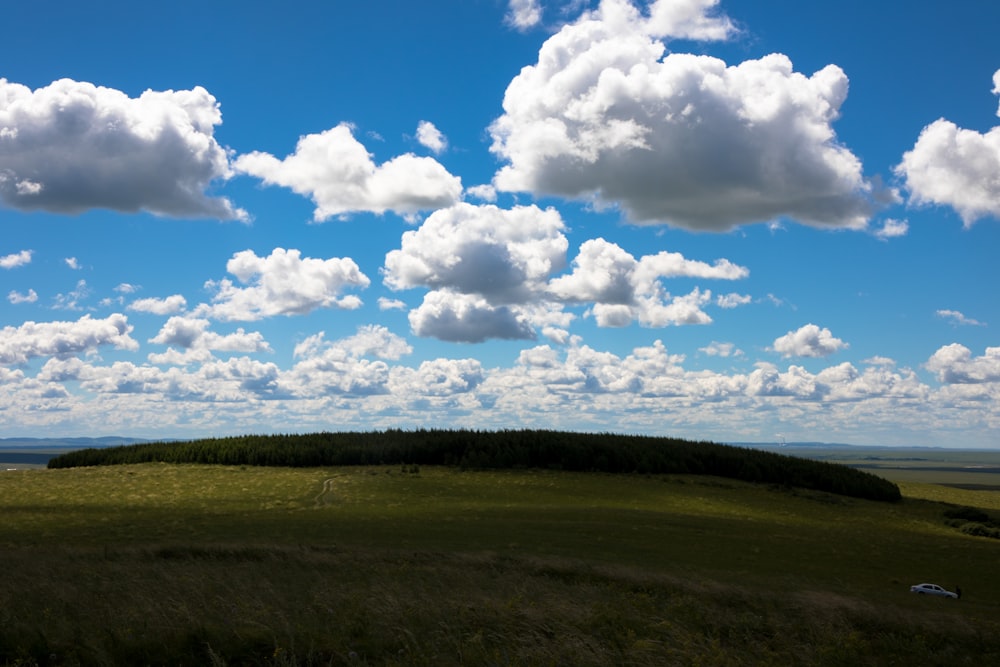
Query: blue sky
[(736, 220)]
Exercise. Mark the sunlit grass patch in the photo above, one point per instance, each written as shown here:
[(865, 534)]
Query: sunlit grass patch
[(985, 499)]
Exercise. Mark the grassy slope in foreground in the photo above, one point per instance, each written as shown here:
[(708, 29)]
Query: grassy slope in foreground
[(173, 563)]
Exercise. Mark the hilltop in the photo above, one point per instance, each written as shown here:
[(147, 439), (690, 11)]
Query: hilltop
[(511, 449)]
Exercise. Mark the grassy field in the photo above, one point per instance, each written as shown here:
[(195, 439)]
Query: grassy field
[(165, 564), (27, 458), (975, 469)]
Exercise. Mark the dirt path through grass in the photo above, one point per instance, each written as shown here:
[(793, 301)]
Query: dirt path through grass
[(325, 497)]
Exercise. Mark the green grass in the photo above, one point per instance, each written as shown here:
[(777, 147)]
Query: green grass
[(170, 564), (969, 468)]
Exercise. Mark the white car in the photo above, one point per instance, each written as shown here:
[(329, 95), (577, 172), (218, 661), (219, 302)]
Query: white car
[(932, 589)]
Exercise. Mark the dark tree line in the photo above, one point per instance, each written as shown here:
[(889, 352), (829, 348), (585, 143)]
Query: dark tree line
[(973, 521), (468, 449)]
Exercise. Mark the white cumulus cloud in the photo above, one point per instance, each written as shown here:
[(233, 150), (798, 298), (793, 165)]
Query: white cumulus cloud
[(385, 303), (624, 289), (716, 349), (679, 139), (72, 146), (15, 260), (892, 228), (467, 318), (954, 364), (733, 300), (487, 269), (524, 14), (956, 167), (484, 192), (337, 172), (996, 86), (430, 137), (196, 342), (375, 341), (174, 303), (492, 269), (503, 255), (808, 341), (688, 19), (341, 367), (16, 297), (284, 283), (64, 339), (438, 377)]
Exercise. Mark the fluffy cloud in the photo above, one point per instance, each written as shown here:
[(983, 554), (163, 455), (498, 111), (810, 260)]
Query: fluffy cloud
[(841, 383), (892, 228), (624, 289), (490, 271), (954, 364), (73, 146), (438, 377), (681, 139), (732, 300), (18, 259), (653, 377), (336, 171), (16, 297), (602, 272), (191, 334), (385, 303), (688, 19), (955, 167), (430, 137), (467, 318), (482, 192), (808, 341), (171, 304), (119, 377), (716, 349), (584, 370), (337, 373), (283, 284), (235, 380), (524, 14), (64, 339), (340, 368), (503, 255), (370, 341), (996, 86)]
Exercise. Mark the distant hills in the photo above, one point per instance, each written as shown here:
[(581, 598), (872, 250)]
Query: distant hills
[(69, 443)]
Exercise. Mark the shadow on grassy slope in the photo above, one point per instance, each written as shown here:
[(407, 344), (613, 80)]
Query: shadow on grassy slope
[(310, 606)]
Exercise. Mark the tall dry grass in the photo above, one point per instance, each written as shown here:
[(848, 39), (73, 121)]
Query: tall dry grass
[(267, 605)]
